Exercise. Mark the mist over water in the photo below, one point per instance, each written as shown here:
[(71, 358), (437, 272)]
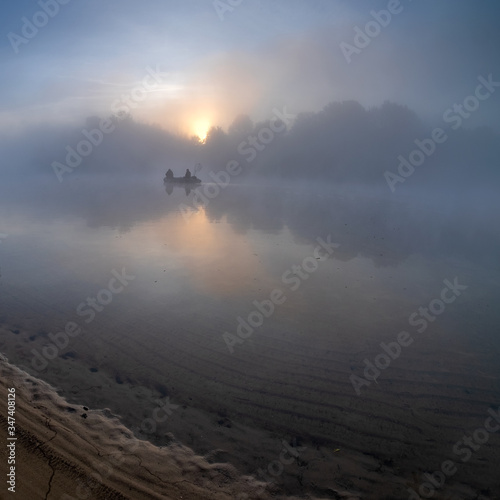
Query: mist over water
[(331, 284), (273, 295), (215, 260)]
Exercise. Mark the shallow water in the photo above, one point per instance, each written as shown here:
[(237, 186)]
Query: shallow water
[(168, 327)]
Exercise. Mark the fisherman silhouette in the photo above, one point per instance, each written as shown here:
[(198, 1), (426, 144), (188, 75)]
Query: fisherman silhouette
[(188, 174), (169, 174)]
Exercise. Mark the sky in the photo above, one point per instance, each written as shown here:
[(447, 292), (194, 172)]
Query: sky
[(212, 61)]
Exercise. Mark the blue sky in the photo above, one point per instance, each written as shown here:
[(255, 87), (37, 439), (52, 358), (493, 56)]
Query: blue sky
[(262, 55)]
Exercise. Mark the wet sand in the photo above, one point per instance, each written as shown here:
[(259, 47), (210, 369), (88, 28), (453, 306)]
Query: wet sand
[(373, 447), (68, 451)]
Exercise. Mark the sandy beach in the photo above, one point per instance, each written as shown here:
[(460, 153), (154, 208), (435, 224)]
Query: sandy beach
[(67, 451)]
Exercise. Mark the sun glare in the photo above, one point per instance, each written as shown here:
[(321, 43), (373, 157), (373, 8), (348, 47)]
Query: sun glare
[(200, 128)]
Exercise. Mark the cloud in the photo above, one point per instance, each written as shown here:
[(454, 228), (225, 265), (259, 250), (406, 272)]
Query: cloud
[(263, 55)]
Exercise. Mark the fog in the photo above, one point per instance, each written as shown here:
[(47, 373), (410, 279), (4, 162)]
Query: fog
[(190, 83), (344, 143), (350, 149), (367, 221)]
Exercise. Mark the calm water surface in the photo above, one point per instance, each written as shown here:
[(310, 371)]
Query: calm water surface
[(191, 277)]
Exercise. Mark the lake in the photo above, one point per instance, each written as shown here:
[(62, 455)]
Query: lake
[(340, 319)]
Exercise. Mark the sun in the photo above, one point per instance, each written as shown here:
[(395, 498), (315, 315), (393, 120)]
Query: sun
[(200, 128)]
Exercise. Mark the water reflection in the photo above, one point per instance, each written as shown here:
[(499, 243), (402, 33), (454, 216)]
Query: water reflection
[(169, 188), (196, 275), (237, 247), (384, 229)]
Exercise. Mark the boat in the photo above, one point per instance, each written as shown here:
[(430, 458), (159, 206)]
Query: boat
[(187, 179), (182, 180)]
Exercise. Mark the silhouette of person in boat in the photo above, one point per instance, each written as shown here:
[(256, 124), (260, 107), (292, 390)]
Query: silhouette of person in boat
[(187, 179)]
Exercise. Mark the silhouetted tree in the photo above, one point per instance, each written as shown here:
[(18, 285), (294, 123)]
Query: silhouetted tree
[(241, 126)]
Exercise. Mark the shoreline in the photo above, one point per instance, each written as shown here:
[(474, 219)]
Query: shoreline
[(56, 442), (68, 451), (205, 452)]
